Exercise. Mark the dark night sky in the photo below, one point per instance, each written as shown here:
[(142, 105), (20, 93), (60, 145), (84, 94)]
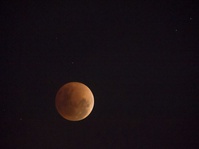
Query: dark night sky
[(139, 58)]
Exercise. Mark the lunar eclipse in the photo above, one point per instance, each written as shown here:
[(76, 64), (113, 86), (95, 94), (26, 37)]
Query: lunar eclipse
[(74, 101)]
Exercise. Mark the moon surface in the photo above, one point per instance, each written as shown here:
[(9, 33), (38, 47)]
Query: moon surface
[(74, 101)]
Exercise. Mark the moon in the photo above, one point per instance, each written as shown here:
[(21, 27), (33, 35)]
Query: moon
[(74, 101)]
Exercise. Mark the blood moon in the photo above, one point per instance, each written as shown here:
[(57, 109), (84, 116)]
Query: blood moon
[(74, 101)]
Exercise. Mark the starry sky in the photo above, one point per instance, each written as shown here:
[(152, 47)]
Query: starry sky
[(139, 58)]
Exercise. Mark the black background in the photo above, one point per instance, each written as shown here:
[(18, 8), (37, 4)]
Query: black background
[(139, 58)]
